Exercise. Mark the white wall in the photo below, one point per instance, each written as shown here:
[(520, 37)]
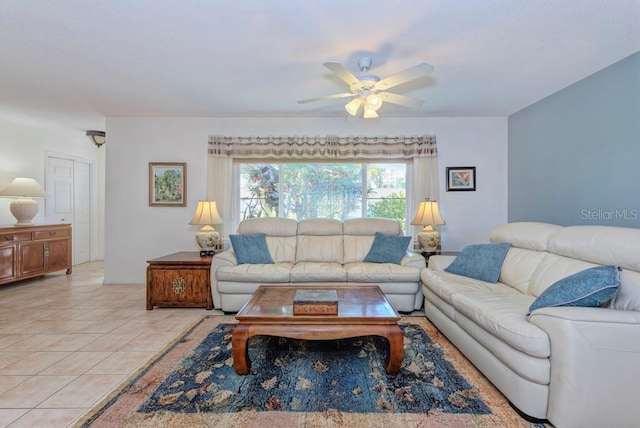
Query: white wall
[(136, 232), (479, 142), (22, 154)]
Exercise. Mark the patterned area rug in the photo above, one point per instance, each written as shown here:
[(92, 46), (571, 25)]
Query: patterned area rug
[(306, 383)]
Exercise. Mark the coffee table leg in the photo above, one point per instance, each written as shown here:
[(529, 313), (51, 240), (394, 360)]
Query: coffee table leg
[(396, 349), (239, 349)]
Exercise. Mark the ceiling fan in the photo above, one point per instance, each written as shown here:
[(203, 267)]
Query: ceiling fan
[(369, 91)]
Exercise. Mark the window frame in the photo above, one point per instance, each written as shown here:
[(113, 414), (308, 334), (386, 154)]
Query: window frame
[(364, 163)]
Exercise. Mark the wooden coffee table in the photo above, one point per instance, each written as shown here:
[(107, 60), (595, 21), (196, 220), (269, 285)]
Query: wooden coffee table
[(362, 311)]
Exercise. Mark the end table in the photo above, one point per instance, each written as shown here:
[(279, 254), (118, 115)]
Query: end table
[(179, 280)]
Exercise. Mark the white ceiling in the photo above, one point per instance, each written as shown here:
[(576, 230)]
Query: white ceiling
[(82, 60)]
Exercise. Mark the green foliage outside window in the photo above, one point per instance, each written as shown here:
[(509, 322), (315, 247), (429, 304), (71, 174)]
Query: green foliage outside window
[(393, 206)]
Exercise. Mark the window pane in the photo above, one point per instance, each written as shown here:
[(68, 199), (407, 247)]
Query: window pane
[(386, 195), (259, 187), (321, 190)]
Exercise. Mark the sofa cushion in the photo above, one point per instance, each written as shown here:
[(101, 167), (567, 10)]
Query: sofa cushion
[(311, 248), (518, 267), (370, 225), (529, 235), (502, 312), (255, 273), (552, 269), (251, 248), (387, 248), (359, 233), (602, 245), (445, 284), (381, 272), (535, 369), (480, 261), (318, 272), (590, 287), (356, 247), (627, 297), (282, 248), (270, 226)]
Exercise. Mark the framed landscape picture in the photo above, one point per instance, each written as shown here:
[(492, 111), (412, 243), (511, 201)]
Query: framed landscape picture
[(167, 184), (461, 178)]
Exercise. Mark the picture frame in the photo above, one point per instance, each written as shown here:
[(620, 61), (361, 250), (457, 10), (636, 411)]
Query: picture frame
[(461, 179), (167, 184)]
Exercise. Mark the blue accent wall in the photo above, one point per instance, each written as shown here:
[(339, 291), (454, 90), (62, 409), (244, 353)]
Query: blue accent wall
[(574, 157)]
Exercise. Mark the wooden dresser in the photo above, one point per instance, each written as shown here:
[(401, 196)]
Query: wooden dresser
[(30, 251)]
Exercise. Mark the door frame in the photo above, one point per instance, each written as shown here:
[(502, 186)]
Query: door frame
[(93, 189)]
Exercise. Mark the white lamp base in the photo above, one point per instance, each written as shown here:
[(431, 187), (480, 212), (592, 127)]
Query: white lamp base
[(429, 239), (24, 210), (207, 238)]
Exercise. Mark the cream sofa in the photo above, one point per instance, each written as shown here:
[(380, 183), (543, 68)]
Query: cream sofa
[(317, 251), (574, 366)]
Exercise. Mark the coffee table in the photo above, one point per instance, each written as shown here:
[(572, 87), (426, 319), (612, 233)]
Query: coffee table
[(362, 311)]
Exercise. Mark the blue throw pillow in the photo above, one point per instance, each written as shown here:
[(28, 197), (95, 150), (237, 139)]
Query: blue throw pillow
[(480, 261), (590, 287), (251, 249), (387, 248)]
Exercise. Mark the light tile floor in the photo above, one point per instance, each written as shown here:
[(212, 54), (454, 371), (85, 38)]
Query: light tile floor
[(66, 341)]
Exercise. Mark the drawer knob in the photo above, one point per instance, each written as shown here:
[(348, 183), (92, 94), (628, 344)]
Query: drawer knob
[(178, 285), (53, 233)]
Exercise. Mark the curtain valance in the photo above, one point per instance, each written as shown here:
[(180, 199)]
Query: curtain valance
[(328, 147)]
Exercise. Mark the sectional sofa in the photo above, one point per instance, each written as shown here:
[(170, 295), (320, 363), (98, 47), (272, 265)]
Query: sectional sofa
[(574, 366), (316, 251)]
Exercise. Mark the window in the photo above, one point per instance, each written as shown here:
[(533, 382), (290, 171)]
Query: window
[(323, 190)]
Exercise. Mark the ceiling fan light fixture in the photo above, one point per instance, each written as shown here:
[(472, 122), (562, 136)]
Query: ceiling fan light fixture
[(369, 91), (353, 106), (370, 114), (374, 102)]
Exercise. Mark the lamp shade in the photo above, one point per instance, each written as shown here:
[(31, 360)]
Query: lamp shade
[(428, 214), (22, 187), (206, 214)]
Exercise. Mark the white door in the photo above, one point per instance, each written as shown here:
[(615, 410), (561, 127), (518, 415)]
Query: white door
[(68, 184), (81, 213), (59, 184)]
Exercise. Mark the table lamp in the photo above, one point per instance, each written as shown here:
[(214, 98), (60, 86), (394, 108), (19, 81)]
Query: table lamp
[(207, 237), (23, 207), (428, 215)]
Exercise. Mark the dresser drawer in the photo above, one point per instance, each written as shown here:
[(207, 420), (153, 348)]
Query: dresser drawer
[(15, 237), (50, 234)]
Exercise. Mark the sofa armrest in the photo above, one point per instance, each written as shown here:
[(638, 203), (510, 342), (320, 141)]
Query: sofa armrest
[(595, 355), (412, 259), (440, 262), (225, 258)]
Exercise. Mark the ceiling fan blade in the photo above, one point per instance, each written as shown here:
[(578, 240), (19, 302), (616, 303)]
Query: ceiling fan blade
[(404, 76), (326, 97), (401, 100), (344, 74)]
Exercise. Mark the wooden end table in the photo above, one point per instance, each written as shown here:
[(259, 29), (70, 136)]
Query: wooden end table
[(362, 311), (180, 280)]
